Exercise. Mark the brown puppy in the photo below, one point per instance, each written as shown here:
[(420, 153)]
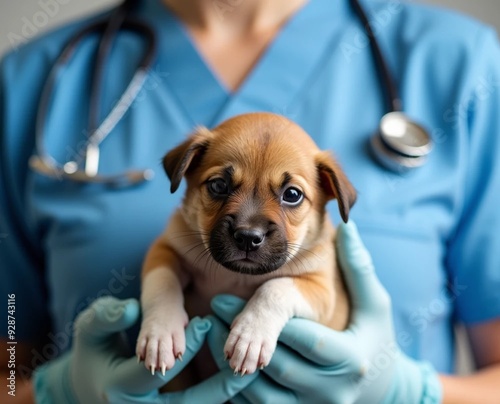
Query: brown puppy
[(253, 224)]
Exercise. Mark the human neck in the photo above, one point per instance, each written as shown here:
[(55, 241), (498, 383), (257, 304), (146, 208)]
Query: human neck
[(232, 39), (235, 17)]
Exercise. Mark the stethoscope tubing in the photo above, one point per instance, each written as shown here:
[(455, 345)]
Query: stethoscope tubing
[(42, 162), (389, 149), (393, 99)]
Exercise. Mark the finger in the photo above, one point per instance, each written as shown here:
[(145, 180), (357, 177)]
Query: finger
[(365, 290), (216, 339), (295, 372), (240, 398), (106, 316), (227, 307), (134, 378), (317, 343), (264, 390), (320, 345), (219, 388)]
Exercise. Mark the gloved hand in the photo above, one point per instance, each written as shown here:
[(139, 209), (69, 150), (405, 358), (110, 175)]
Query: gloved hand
[(362, 364), (97, 370)]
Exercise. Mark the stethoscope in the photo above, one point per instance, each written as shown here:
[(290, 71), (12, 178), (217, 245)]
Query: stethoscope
[(399, 144), (43, 162)]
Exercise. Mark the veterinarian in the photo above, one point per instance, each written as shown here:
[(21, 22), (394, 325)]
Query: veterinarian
[(73, 228)]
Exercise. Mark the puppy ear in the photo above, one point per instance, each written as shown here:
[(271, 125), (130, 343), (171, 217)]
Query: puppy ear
[(186, 156), (335, 184)]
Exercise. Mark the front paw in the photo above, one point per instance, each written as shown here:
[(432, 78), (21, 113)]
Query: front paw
[(250, 344), (161, 341)]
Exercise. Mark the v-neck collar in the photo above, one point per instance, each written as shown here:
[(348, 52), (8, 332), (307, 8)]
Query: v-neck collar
[(271, 85)]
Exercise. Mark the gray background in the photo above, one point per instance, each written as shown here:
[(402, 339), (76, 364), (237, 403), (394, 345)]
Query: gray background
[(22, 19)]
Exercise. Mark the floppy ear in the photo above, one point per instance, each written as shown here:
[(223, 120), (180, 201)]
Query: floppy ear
[(186, 156), (335, 184)]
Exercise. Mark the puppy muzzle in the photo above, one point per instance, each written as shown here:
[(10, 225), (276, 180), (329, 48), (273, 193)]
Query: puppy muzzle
[(255, 247)]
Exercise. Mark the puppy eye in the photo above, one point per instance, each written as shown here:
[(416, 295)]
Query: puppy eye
[(218, 187), (292, 196)]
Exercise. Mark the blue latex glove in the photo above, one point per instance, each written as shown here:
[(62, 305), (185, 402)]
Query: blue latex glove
[(97, 370), (362, 364)]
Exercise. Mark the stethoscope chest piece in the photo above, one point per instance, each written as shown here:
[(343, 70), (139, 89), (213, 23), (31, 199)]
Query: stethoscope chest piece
[(400, 144)]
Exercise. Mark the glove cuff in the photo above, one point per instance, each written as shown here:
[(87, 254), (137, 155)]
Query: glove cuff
[(52, 383), (414, 382), (433, 391)]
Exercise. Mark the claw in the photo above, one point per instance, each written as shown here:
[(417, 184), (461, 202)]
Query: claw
[(243, 372), (152, 370), (138, 358), (236, 371), (179, 356), (261, 366), (163, 369)]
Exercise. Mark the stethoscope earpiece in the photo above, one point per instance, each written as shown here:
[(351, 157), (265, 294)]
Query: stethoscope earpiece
[(400, 144)]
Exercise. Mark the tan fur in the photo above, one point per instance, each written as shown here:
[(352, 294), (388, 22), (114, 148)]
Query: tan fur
[(260, 148)]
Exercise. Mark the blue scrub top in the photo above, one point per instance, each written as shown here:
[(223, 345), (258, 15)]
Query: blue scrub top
[(433, 233)]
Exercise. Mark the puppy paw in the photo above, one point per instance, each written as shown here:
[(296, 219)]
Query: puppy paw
[(250, 344), (161, 341)]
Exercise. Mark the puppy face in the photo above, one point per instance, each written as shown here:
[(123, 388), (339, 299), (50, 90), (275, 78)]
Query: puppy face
[(257, 189)]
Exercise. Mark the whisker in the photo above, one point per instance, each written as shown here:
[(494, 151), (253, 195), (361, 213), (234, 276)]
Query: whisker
[(211, 264), (295, 263), (202, 254), (212, 269), (300, 256), (186, 234), (298, 247), (194, 246)]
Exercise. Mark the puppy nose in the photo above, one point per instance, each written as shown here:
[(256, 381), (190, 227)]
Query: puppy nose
[(248, 239)]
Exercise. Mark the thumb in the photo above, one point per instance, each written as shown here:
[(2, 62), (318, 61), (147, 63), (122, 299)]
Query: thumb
[(227, 307), (366, 292), (105, 316)]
